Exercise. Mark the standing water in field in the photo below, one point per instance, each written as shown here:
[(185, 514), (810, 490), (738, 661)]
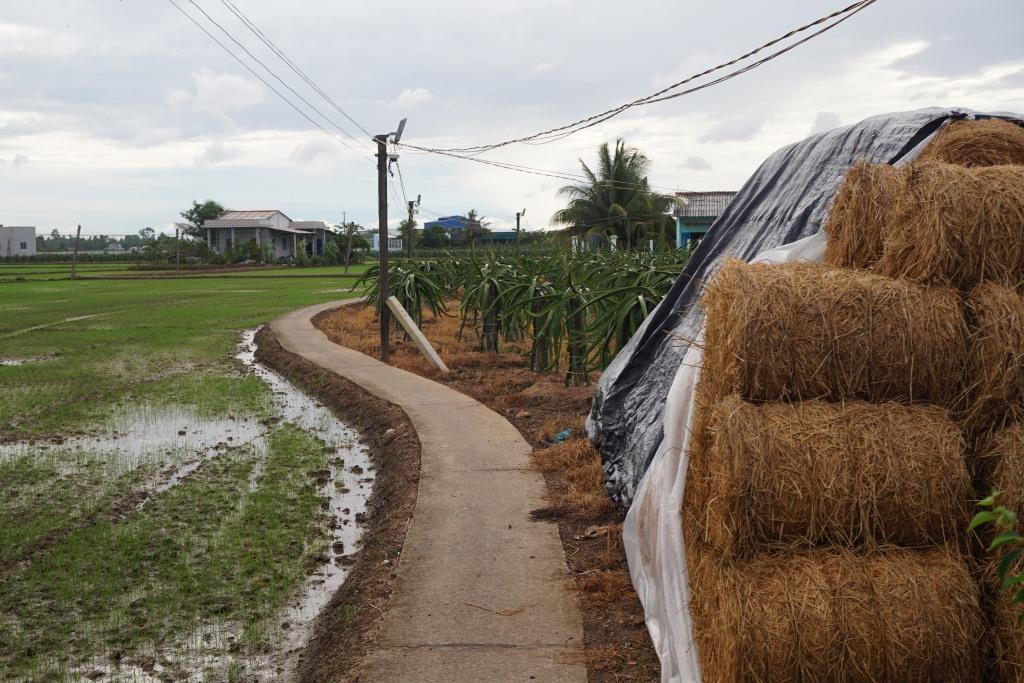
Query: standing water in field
[(168, 448)]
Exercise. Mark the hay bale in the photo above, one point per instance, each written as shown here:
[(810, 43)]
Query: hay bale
[(995, 370), (812, 473), (826, 615), (989, 142), (860, 213), (800, 331), (957, 226)]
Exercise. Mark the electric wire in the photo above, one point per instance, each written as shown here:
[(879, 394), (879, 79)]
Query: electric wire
[(264, 81), (274, 73), (563, 131), (291, 65)]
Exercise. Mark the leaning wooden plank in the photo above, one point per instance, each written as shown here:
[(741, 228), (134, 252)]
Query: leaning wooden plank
[(421, 341)]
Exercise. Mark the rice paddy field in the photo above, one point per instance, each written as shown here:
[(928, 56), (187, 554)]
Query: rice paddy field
[(59, 271), (171, 509)]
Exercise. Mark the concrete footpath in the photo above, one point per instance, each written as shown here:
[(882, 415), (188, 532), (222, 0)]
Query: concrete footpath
[(482, 592)]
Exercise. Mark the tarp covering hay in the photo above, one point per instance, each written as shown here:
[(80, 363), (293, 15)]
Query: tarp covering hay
[(860, 213), (787, 199), (995, 376), (988, 142), (833, 615), (957, 226), (802, 331), (812, 473)]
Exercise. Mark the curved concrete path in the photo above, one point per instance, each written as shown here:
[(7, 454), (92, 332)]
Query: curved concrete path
[(482, 592)]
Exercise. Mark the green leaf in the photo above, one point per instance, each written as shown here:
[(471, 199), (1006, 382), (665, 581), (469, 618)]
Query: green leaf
[(984, 517), (1004, 538), (1007, 563), (989, 500)]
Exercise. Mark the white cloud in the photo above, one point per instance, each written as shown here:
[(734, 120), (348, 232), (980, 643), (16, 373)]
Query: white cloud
[(824, 121), (22, 39), (697, 164), (411, 97), (20, 160), (218, 93), (742, 127), (217, 152), (311, 149)]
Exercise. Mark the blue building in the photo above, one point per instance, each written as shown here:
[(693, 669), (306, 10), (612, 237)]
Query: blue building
[(696, 211), (455, 226)]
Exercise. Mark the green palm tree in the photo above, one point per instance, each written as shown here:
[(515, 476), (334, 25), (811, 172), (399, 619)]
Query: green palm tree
[(616, 199)]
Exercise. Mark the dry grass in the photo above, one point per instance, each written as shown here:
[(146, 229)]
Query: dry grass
[(800, 331), (806, 474), (995, 372), (957, 226), (990, 142), (604, 587), (582, 493), (826, 615), (860, 214)]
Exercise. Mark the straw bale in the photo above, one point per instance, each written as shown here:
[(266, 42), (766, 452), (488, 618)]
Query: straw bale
[(812, 473), (957, 226), (860, 213), (995, 370), (989, 142), (799, 331), (833, 615)]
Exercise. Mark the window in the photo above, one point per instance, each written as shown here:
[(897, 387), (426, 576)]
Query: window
[(24, 245)]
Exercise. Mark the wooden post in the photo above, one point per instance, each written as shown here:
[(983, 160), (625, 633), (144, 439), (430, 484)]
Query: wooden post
[(382, 239), (422, 343), (74, 254)]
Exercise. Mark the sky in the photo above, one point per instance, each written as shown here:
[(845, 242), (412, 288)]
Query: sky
[(117, 114)]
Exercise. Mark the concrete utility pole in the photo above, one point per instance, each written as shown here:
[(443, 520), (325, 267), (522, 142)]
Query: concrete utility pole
[(519, 214), (74, 254), (382, 235), (177, 247)]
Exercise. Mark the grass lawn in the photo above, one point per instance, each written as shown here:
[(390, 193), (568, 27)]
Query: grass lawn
[(100, 566)]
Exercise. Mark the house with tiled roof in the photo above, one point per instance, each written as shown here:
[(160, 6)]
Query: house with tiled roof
[(696, 211), (267, 228)]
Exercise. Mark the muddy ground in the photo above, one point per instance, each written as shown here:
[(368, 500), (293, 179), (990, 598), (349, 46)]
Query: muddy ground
[(348, 624), (616, 643)]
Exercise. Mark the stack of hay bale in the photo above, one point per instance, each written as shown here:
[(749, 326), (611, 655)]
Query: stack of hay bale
[(832, 461)]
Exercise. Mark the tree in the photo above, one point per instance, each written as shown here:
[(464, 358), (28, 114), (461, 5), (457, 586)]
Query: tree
[(616, 199), (406, 228), (147, 233), (476, 227), (435, 236), (199, 214), (351, 233)]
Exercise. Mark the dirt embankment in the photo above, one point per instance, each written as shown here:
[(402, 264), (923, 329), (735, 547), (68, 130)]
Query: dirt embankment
[(616, 643), (348, 624)]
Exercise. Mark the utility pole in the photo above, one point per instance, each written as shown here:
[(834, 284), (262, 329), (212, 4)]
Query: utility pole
[(412, 211), (177, 248), (519, 214), (382, 236), (74, 254)]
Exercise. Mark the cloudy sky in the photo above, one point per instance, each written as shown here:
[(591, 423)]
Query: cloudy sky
[(117, 113)]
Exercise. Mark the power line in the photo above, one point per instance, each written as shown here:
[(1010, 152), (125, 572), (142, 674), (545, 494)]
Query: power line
[(273, 73), (292, 65), (561, 132), (264, 81)]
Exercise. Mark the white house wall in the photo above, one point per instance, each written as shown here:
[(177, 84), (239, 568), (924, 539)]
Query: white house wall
[(12, 239)]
